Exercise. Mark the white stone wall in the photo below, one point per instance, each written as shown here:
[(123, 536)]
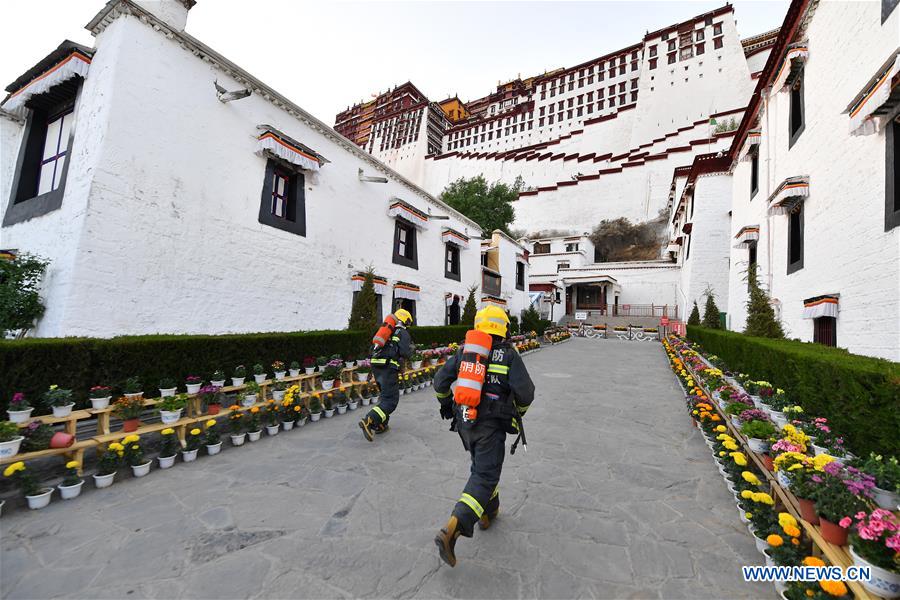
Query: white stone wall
[(509, 249), (846, 250)]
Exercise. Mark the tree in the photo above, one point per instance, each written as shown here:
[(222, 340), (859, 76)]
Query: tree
[(489, 205), (711, 312), (620, 239), (694, 319), (761, 320), (20, 300), (364, 313), (469, 310)]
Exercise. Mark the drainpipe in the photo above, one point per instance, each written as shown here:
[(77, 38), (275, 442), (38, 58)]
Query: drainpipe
[(769, 186)]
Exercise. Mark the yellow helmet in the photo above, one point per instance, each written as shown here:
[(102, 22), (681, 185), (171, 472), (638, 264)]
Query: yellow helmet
[(492, 320), (403, 316)]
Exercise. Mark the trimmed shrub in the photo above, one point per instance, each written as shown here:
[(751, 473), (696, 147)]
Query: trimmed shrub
[(859, 395), (32, 365)]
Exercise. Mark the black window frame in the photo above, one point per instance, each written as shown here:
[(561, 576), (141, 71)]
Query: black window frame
[(892, 174), (294, 220), (754, 172), (752, 260), (411, 259), (451, 262), (887, 7), (540, 245), (797, 105), (520, 275), (795, 221)]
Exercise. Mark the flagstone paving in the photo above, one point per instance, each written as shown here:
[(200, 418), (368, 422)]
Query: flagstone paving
[(617, 497)]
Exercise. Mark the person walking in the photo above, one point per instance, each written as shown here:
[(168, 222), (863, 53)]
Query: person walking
[(386, 363), (506, 392)]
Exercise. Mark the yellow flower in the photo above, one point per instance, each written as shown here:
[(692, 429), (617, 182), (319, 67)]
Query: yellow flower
[(13, 469), (813, 561), (131, 439), (792, 531), (195, 431), (254, 409), (729, 445), (764, 498), (721, 453), (167, 431), (739, 459), (116, 447), (821, 460), (135, 447), (750, 478), (786, 520), (834, 588), (746, 494), (721, 429), (72, 464), (749, 515), (774, 540), (211, 423)]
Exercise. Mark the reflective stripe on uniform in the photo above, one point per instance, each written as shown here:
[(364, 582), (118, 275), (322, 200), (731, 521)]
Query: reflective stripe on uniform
[(515, 424), (476, 348), (501, 369), (380, 412), (468, 383), (395, 339), (443, 395), (496, 491), (379, 361), (473, 504)]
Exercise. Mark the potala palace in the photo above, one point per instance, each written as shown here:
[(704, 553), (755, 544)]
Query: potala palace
[(173, 191)]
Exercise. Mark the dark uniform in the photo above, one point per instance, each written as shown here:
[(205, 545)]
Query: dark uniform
[(386, 369), (506, 395)]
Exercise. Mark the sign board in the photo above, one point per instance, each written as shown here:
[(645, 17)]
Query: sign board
[(580, 316), (664, 321), (626, 307)]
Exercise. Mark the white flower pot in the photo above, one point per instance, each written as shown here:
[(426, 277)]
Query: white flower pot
[(756, 401), (309, 370), (253, 436), (315, 417), (278, 394), (259, 378), (218, 383), (416, 364), (743, 515), (341, 409), (39, 501), (287, 425), (279, 375), (782, 478), (376, 399), (778, 418), (349, 364), (100, 403), (236, 381), (63, 411), (67, 492), (757, 445), (141, 470), (249, 400), (329, 412), (102, 481), (167, 392), (134, 395), (353, 405), (761, 545), (166, 462), (170, 416), (885, 499), (294, 372), (20, 416), (736, 422), (11, 448), (361, 376), (273, 429), (189, 455), (213, 449), (238, 440), (193, 388), (365, 401), (819, 450), (883, 583), (327, 385), (301, 422)]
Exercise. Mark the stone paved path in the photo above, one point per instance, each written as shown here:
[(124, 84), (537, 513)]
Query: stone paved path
[(617, 497)]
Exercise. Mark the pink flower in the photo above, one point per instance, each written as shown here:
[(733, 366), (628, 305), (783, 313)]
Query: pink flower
[(866, 533), (860, 515), (845, 522), (893, 542)]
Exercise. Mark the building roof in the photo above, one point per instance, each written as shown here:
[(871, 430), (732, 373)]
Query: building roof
[(61, 52)]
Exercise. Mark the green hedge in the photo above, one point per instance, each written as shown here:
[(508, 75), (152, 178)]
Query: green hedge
[(859, 395), (31, 365)]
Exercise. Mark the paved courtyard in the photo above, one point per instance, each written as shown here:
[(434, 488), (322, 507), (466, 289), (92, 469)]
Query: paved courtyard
[(617, 497)]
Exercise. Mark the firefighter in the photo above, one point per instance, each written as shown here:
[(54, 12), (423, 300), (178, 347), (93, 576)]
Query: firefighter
[(386, 369), (506, 394)]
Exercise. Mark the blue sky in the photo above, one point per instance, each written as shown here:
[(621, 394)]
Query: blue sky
[(328, 55)]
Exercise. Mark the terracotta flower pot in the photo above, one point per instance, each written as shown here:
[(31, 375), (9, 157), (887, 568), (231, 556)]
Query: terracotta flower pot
[(129, 425), (768, 462), (808, 511), (832, 533), (213, 409), (62, 439)]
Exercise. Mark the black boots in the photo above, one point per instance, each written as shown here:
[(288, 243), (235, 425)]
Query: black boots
[(446, 541)]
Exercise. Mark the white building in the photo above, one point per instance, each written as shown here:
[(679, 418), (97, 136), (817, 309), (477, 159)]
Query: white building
[(505, 273), (167, 200)]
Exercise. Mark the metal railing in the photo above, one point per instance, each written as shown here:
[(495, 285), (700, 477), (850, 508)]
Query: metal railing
[(629, 310)]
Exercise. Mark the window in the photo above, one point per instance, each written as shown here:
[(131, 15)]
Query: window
[(717, 29), (825, 331), (671, 45), (754, 172), (797, 110), (622, 70), (699, 35), (795, 239), (652, 63), (561, 265), (405, 244), (751, 261), (687, 252), (451, 266), (652, 51), (700, 48), (56, 143), (717, 43), (572, 247), (892, 170), (672, 58), (520, 276), (378, 305), (282, 204), (887, 7), (405, 303), (541, 248), (453, 312)]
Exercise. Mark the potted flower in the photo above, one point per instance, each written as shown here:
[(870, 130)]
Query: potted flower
[(309, 365), (239, 375), (133, 388), (37, 437), (167, 387), (129, 409), (193, 384), (168, 448), (363, 370), (37, 496), (839, 496), (321, 361), (874, 544), (340, 401), (271, 416), (253, 427), (758, 432), (278, 390), (211, 439), (134, 455), (59, 400), (19, 410), (365, 394), (217, 378), (301, 414), (886, 472), (349, 362), (417, 359), (10, 439), (328, 405), (249, 395), (192, 445), (315, 408), (171, 407), (331, 372), (100, 395), (70, 487), (376, 392), (353, 397), (211, 396), (294, 369), (287, 414), (278, 368), (259, 373), (236, 425), (108, 465)]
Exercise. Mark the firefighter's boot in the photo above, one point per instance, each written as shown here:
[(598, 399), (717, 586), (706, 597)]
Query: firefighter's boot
[(487, 520), (368, 427), (446, 541)]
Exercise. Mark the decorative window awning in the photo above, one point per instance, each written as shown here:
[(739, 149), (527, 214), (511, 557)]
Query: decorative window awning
[(880, 96), (449, 298), (746, 236), (75, 64), (494, 300), (380, 283), (790, 67), (407, 291), (789, 194), (451, 236), (821, 306), (270, 140), (753, 138), (408, 212)]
